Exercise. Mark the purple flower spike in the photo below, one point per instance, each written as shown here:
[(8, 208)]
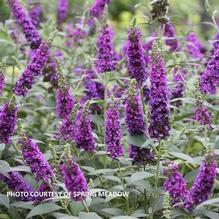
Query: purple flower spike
[(2, 81), (203, 116), (34, 68), (210, 78), (179, 87), (175, 184), (171, 40), (35, 13), (74, 180), (135, 56), (64, 102), (105, 60), (203, 184), (134, 114), (93, 89), (141, 156), (83, 134), (22, 18), (43, 189), (8, 120), (194, 46), (147, 48), (159, 104), (113, 132), (97, 8), (215, 44), (34, 159), (67, 127), (16, 183), (62, 11)]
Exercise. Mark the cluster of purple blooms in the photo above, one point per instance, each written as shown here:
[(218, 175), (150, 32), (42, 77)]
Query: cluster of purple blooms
[(23, 19), (64, 102), (49, 71), (175, 184), (203, 116), (113, 132), (35, 14), (74, 180), (171, 40), (83, 130), (105, 60), (93, 89), (136, 125), (34, 68), (179, 74), (97, 8), (135, 56), (210, 78), (74, 34), (159, 103), (62, 11), (2, 82), (148, 46), (194, 46), (16, 183), (202, 187), (35, 159), (8, 120)]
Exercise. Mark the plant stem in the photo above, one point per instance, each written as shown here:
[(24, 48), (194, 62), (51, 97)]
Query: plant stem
[(145, 198), (123, 185), (85, 206), (155, 194)]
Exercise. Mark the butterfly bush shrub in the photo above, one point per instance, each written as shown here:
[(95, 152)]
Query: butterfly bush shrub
[(109, 109)]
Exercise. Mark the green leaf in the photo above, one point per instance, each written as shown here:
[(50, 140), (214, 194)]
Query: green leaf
[(4, 200), (4, 216), (137, 140), (91, 215), (4, 167), (217, 142), (2, 147), (113, 178), (209, 202), (140, 175), (124, 217), (20, 169), (183, 157), (63, 216), (76, 207), (43, 209), (21, 204), (112, 211), (211, 214)]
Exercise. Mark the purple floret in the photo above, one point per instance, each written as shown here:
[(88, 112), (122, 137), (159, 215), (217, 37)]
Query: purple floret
[(83, 132), (171, 40), (203, 184), (34, 158), (159, 103), (135, 56), (34, 68), (105, 60), (64, 102), (74, 180), (175, 184), (113, 132), (23, 19), (8, 120), (62, 11)]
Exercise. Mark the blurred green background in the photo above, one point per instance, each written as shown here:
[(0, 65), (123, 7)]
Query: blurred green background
[(185, 15)]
